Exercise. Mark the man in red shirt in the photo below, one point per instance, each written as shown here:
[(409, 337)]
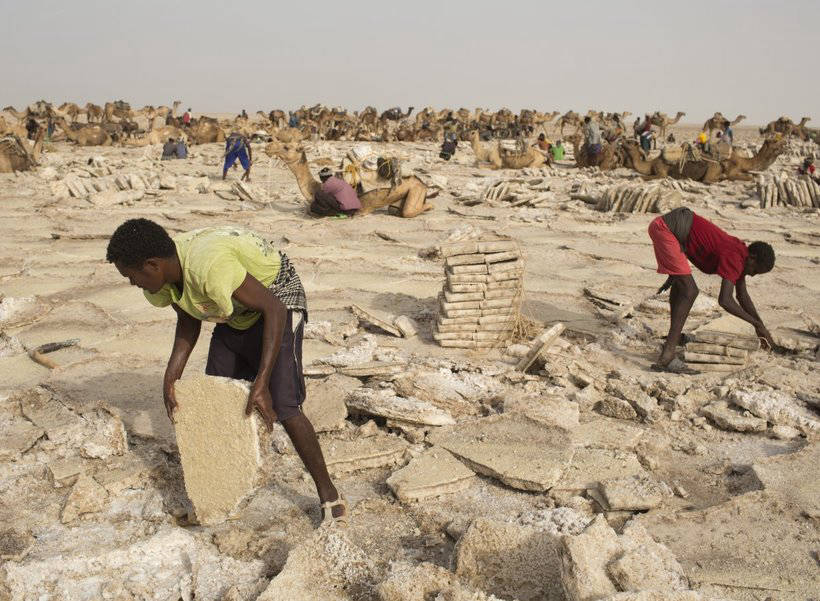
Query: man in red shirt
[(680, 235)]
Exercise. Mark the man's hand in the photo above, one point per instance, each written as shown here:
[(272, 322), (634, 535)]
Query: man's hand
[(666, 285), (170, 398), (260, 399)]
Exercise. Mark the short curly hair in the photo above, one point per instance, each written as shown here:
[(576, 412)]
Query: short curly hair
[(138, 240), (763, 254)]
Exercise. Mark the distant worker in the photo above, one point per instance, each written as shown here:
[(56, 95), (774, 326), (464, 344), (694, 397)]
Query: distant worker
[(645, 134), (293, 121), (680, 235), (557, 151), (592, 133), (238, 147), (542, 143), (807, 167), (169, 150), (728, 134), (336, 197), (702, 142), (186, 118), (31, 128)]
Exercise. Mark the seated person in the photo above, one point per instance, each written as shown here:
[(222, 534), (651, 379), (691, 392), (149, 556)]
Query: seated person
[(448, 148), (169, 150), (557, 151), (542, 143), (182, 149), (336, 196), (807, 168)]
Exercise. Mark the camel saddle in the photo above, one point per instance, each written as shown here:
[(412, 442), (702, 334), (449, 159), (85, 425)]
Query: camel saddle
[(122, 105), (672, 154), (13, 145)]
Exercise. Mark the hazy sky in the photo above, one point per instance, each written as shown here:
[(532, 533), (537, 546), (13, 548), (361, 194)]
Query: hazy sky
[(698, 56)]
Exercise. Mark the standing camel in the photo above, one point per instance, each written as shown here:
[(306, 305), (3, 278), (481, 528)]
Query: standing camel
[(569, 118), (411, 192), (15, 154), (93, 112), (662, 121), (720, 123)]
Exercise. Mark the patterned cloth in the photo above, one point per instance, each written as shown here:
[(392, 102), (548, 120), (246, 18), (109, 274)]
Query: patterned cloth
[(288, 287)]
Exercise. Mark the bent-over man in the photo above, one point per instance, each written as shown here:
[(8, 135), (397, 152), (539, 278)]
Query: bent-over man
[(680, 235), (238, 279)]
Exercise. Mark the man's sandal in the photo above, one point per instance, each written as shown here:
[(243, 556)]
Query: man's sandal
[(329, 519)]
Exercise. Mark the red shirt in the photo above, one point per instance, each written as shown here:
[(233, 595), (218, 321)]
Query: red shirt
[(344, 194), (186, 118), (714, 251)]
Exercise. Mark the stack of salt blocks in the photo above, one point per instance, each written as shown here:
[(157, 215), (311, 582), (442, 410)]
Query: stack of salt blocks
[(719, 351), (482, 293)]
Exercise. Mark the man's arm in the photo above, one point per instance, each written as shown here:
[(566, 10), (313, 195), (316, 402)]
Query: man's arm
[(185, 337), (746, 303), (728, 302), (255, 296)]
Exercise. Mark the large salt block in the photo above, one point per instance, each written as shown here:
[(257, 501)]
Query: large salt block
[(221, 449)]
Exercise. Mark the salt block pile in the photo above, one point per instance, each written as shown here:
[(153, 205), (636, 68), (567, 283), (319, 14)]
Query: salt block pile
[(639, 198), (222, 451), (719, 351), (787, 190), (482, 294)]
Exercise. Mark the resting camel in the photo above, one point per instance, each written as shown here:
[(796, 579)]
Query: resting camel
[(206, 130), (707, 171), (15, 154), (411, 193), (662, 121), (607, 159), (787, 127), (17, 129), (156, 136), (719, 122), (90, 135), (500, 158)]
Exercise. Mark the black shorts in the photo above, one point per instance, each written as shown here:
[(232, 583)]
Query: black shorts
[(236, 354)]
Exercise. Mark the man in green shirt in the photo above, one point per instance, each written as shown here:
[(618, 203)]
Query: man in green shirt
[(557, 151), (236, 278)]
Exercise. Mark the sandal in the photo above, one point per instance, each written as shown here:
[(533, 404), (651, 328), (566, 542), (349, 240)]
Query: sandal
[(675, 366), (329, 519)]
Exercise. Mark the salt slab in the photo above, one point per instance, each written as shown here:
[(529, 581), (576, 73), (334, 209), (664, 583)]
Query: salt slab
[(220, 448), (434, 472)]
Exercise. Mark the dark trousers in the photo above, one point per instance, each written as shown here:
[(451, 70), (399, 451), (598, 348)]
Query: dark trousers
[(325, 205)]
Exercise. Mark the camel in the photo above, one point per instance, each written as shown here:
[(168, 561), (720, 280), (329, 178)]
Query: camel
[(15, 154), (157, 136), (569, 118), (16, 114), (607, 159), (17, 129), (205, 131), (662, 121), (120, 109), (93, 112), (411, 192), (720, 123), (737, 167), (395, 114), (71, 110), (500, 158), (787, 127), (90, 135), (704, 171)]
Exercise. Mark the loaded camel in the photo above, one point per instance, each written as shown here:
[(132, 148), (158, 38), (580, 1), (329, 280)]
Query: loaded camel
[(705, 170), (15, 154), (120, 109), (662, 121), (90, 135), (411, 192)]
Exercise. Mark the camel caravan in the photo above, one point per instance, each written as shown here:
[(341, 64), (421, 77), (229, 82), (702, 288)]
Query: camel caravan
[(597, 139)]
